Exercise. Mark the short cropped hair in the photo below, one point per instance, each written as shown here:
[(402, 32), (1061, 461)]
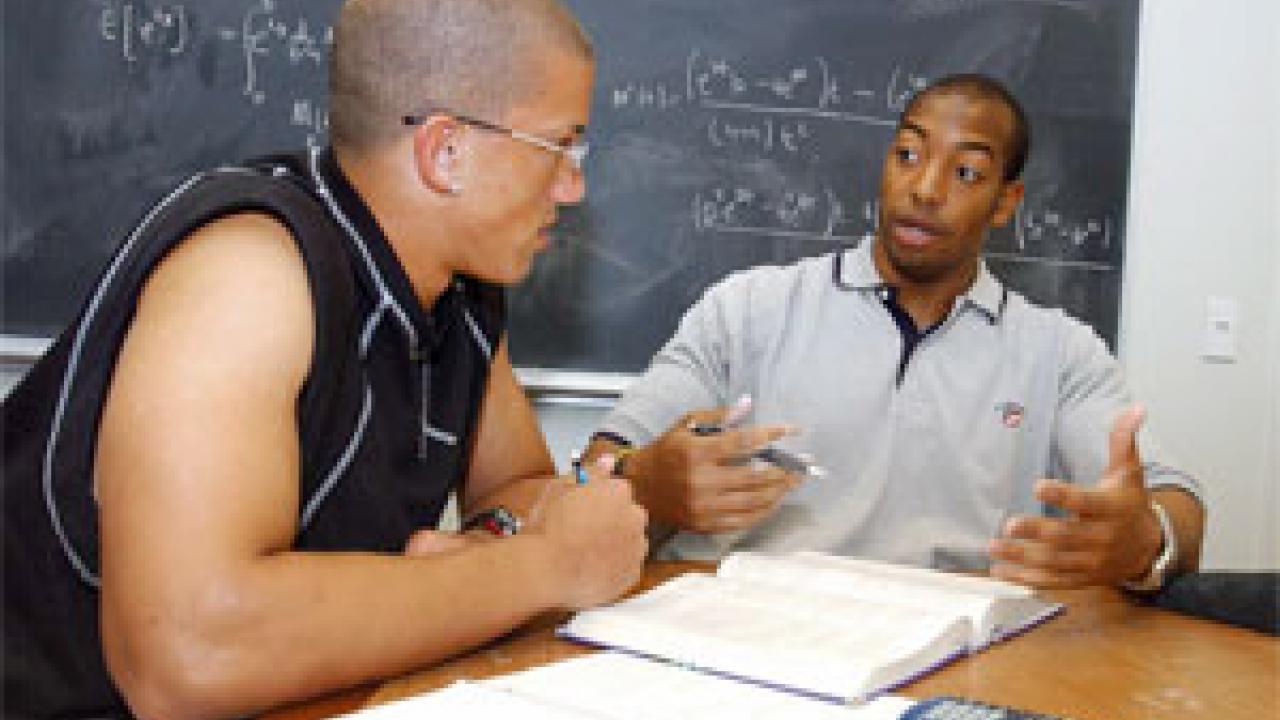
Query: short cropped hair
[(985, 88), (393, 58)]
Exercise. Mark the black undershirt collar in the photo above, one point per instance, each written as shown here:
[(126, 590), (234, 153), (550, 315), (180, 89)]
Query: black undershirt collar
[(431, 325), (911, 335)]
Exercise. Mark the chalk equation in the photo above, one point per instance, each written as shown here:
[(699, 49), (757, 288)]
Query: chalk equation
[(137, 30), (773, 112), (816, 214), (261, 34), (1051, 226), (261, 38), (762, 134), (1045, 236), (805, 88), (312, 117)]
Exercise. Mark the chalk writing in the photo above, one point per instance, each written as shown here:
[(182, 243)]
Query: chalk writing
[(261, 37), (739, 109), (773, 112), (647, 95), (806, 84), (161, 29), (805, 214), (313, 118), (805, 88), (823, 215), (261, 32), (762, 134), (1048, 225)]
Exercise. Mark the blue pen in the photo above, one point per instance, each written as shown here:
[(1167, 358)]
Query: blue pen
[(579, 472)]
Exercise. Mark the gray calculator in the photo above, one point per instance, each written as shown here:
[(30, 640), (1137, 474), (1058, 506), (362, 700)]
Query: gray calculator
[(947, 707)]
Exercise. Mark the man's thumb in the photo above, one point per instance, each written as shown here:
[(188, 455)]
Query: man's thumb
[(1122, 456)]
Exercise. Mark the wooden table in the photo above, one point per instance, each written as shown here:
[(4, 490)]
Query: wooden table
[(1105, 658)]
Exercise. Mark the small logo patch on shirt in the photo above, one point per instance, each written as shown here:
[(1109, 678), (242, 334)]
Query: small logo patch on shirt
[(1010, 414)]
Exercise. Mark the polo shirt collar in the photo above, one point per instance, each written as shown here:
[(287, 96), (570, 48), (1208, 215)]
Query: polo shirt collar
[(858, 272), (857, 269), (986, 293), (429, 324)]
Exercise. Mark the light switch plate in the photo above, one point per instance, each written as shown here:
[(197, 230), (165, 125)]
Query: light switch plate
[(1220, 329)]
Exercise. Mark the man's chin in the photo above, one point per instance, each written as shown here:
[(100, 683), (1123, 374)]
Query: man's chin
[(515, 272), (910, 265)]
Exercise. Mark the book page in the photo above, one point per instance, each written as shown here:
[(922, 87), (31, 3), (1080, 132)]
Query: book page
[(994, 607), (833, 646), (614, 685), (465, 699)]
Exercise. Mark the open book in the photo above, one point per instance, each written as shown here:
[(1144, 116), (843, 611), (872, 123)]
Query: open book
[(615, 686), (829, 627)]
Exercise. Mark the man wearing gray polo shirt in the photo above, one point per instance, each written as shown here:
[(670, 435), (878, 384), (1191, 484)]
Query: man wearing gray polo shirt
[(959, 425)]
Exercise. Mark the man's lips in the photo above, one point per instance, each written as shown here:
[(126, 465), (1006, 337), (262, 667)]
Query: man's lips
[(916, 232)]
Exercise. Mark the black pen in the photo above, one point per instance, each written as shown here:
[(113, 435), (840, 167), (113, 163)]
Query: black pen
[(791, 462)]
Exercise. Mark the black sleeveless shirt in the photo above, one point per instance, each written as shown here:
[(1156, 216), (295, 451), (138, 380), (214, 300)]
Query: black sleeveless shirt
[(385, 415)]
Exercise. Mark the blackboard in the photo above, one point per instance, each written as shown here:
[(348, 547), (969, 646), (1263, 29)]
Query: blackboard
[(726, 133)]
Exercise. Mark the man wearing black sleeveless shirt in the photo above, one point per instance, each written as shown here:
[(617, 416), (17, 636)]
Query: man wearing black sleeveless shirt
[(221, 484)]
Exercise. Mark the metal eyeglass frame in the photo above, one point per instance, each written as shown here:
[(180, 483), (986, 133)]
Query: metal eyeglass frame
[(576, 150)]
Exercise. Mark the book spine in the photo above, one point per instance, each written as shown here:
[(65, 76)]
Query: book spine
[(777, 687), (1034, 621), (912, 677)]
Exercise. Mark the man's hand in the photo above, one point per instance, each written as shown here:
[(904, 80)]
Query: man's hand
[(1109, 535), (701, 483), (594, 532), (597, 534)]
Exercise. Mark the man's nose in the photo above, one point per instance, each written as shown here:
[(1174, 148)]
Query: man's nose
[(928, 186)]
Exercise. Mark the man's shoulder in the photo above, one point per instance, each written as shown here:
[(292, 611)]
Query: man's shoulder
[(770, 283), (1021, 309), (1048, 327)]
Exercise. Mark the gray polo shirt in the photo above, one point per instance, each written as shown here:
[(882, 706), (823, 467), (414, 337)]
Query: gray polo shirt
[(921, 470)]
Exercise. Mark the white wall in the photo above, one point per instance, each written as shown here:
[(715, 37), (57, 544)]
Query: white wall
[(1204, 221)]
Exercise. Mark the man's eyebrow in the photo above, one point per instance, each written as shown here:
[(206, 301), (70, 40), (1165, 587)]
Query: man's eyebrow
[(908, 125), (976, 146), (967, 145)]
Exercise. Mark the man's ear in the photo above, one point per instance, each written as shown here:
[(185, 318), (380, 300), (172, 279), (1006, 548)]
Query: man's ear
[(1007, 203), (435, 153)]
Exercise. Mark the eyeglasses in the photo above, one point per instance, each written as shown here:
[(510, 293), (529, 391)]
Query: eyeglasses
[(575, 150)]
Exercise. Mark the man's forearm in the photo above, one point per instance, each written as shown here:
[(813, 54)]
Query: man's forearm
[(241, 653)]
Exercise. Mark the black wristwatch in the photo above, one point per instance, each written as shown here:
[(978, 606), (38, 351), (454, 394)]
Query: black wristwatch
[(495, 520)]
